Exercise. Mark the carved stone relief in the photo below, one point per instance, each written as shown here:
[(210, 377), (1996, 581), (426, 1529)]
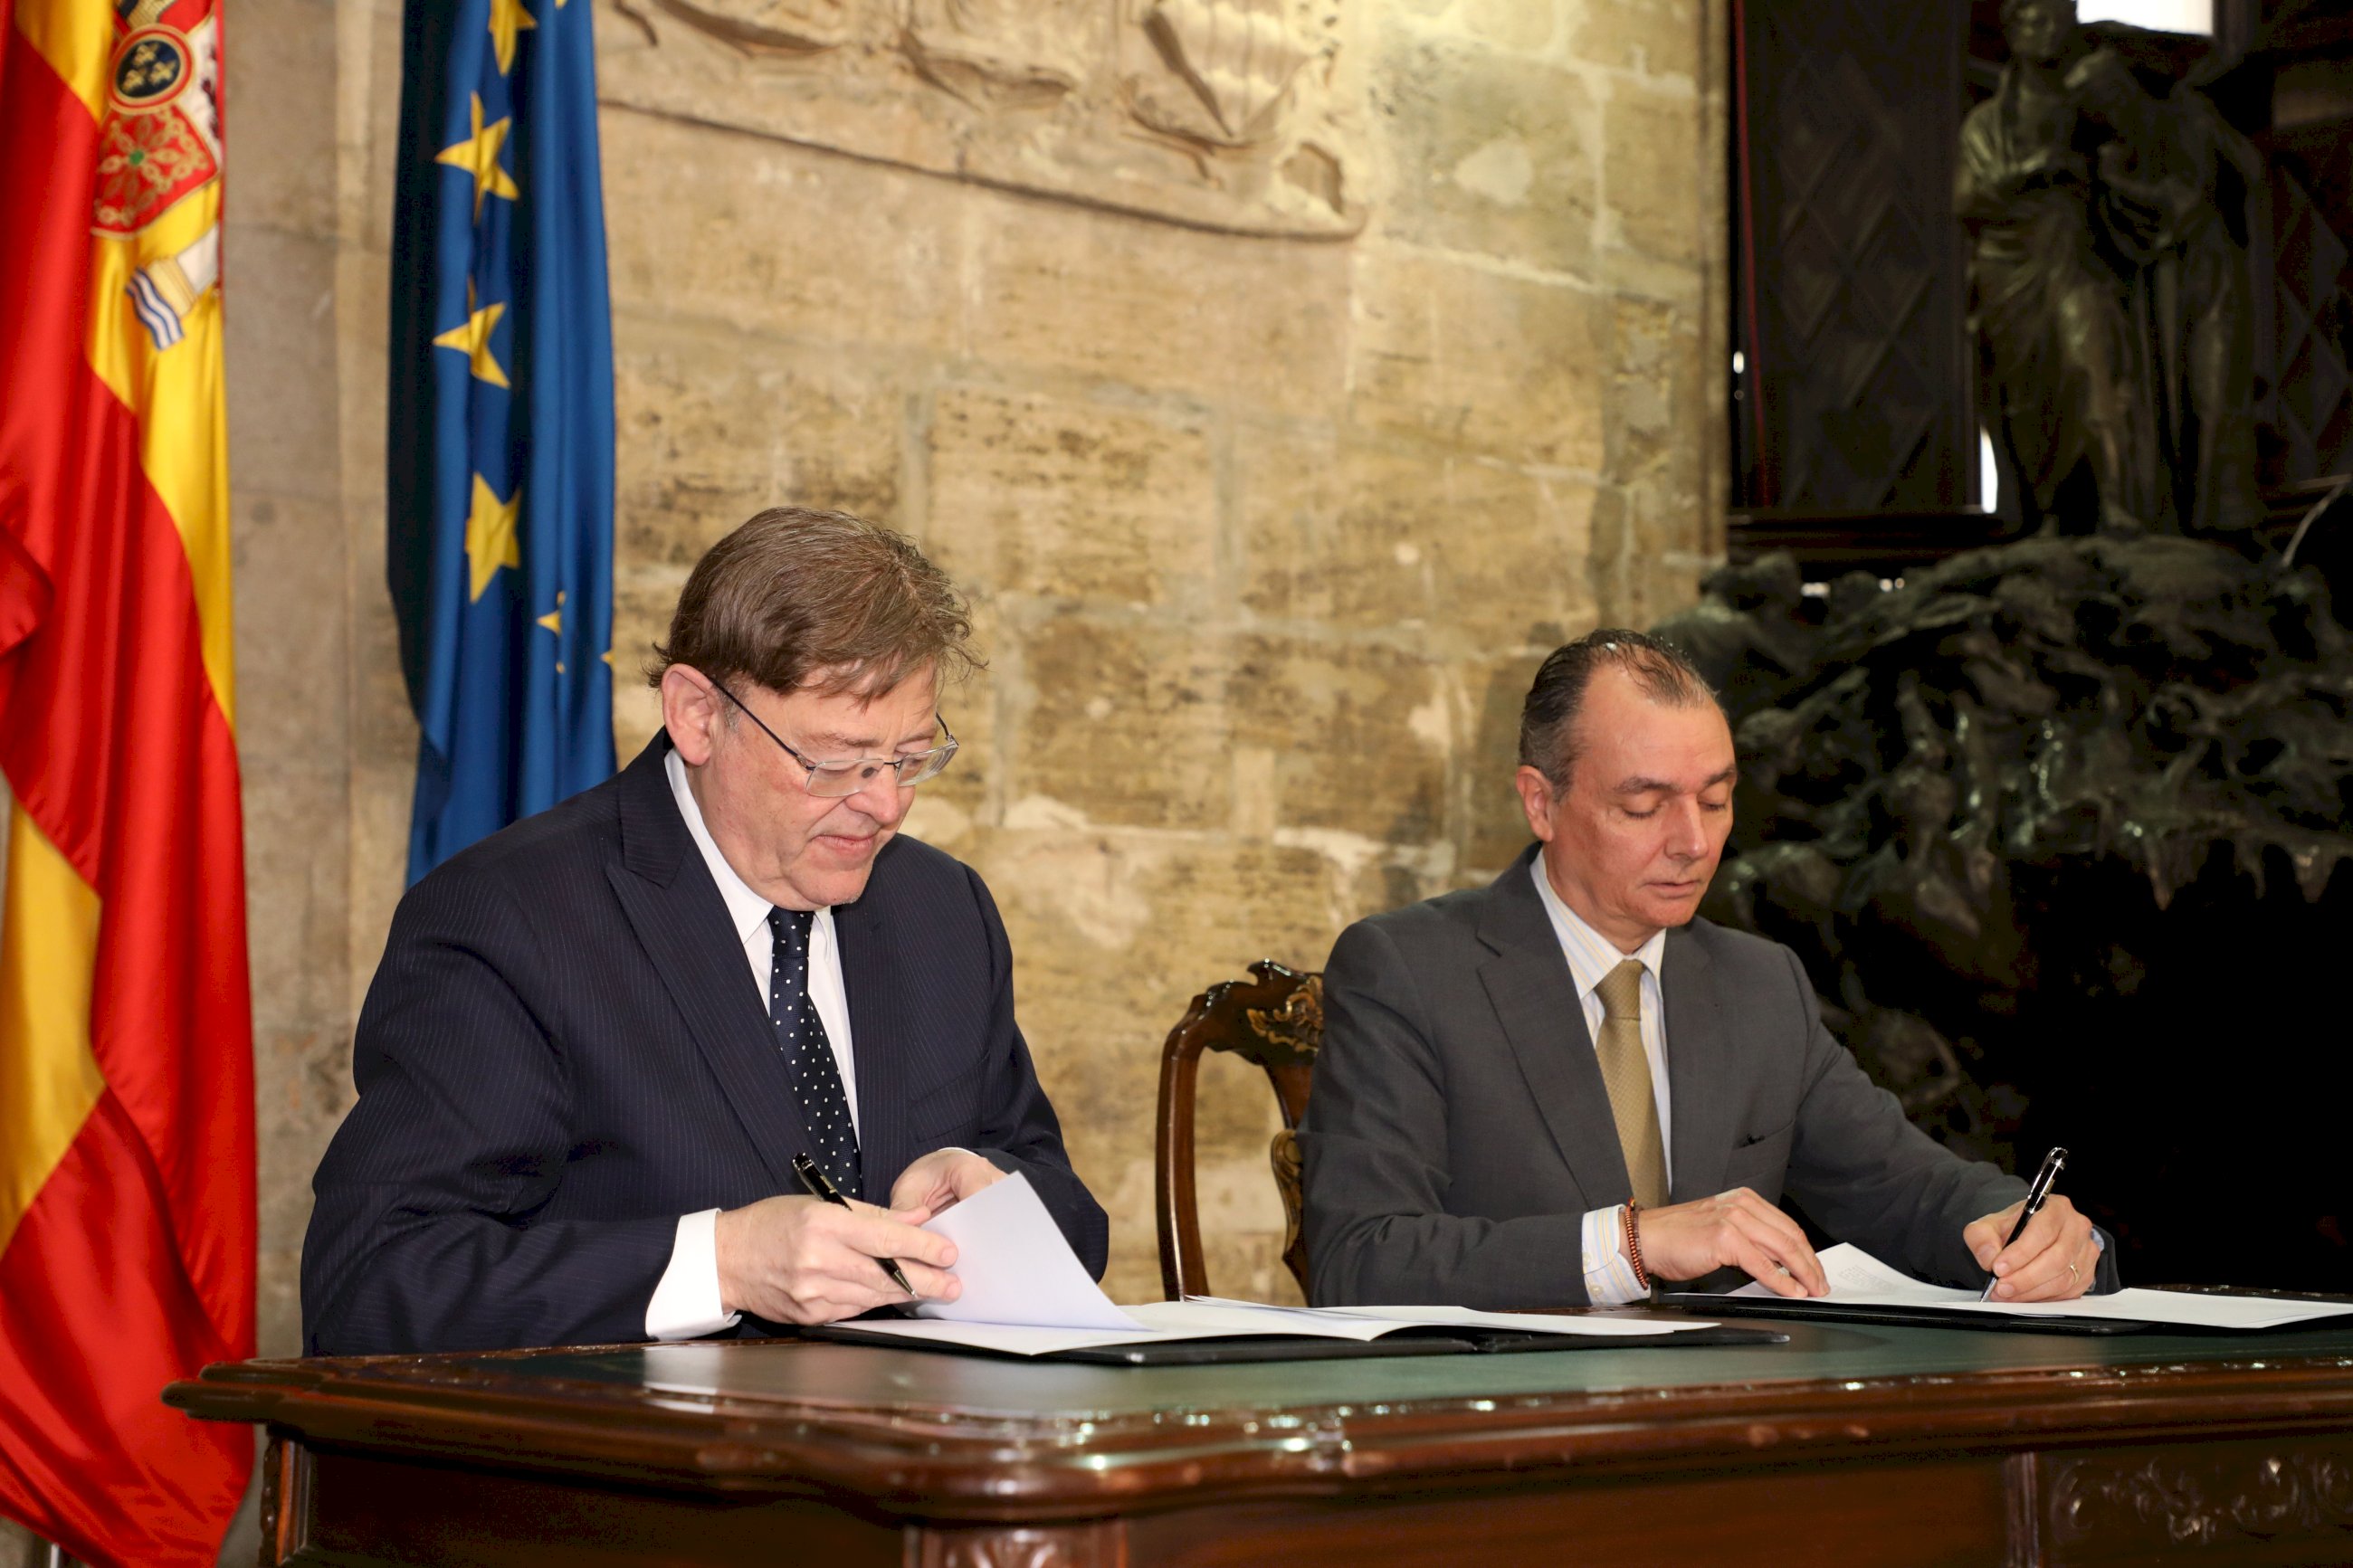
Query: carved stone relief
[(1004, 51), (1238, 55), (1239, 115), (782, 27)]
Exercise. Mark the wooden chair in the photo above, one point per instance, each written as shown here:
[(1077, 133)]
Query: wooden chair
[(1276, 1021)]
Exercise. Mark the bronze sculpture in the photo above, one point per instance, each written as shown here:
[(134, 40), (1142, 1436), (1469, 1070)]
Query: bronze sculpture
[(2110, 290), (2034, 818)]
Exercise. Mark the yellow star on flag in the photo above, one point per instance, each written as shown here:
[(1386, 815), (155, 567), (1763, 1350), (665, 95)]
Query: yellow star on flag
[(507, 18), (491, 537), (478, 154), (554, 619), (472, 339)]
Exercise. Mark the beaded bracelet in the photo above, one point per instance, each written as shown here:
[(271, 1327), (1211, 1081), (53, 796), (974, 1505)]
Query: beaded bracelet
[(1633, 1238)]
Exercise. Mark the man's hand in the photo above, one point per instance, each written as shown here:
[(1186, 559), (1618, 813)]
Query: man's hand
[(802, 1260), (941, 1178), (1735, 1229), (2055, 1261)]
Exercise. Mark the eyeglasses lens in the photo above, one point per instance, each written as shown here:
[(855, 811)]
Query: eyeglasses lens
[(836, 780)]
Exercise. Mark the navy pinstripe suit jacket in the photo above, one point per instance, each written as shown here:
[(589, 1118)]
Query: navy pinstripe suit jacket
[(563, 1051)]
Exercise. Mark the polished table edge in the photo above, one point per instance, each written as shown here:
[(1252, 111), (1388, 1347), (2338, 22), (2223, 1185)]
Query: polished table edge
[(943, 1462)]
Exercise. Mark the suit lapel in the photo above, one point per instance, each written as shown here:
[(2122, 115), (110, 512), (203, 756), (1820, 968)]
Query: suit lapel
[(1702, 1069), (680, 919), (879, 1031), (1535, 998)]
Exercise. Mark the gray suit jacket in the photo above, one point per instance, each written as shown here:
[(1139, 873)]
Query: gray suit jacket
[(1458, 1129)]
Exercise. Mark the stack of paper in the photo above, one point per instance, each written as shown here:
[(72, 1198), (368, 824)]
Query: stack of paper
[(1025, 1293), (1858, 1280)]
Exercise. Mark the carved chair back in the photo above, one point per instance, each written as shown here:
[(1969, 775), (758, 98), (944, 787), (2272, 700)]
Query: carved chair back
[(1274, 1020)]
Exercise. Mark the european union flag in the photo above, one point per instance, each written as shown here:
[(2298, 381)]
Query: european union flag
[(500, 476)]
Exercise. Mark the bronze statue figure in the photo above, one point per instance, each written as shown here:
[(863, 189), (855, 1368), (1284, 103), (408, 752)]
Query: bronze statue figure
[(2110, 289), (2055, 828)]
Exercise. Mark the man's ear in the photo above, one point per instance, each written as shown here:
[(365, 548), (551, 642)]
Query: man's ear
[(1537, 797), (691, 713)]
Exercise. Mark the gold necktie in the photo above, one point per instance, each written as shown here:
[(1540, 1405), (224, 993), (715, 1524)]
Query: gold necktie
[(1626, 1074)]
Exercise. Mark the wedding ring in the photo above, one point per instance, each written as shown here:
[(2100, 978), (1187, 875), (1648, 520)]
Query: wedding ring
[(2071, 1272)]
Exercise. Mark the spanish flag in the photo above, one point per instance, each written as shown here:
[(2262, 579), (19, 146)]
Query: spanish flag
[(126, 1073)]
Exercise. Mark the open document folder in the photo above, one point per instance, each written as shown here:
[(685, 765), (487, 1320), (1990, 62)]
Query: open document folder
[(1025, 1293), (1863, 1288)]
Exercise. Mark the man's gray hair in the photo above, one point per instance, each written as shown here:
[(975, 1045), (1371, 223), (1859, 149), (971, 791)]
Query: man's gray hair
[(1660, 670)]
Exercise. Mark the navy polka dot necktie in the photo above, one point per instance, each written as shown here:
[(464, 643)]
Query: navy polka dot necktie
[(808, 1054)]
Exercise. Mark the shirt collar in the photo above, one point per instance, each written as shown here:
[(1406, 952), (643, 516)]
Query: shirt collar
[(745, 909), (1591, 956)]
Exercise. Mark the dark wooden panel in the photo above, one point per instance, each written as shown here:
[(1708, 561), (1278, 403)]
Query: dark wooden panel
[(367, 1508), (2305, 304), (2280, 1502), (1097, 1543), (1923, 1516), (1853, 114), (2309, 28)]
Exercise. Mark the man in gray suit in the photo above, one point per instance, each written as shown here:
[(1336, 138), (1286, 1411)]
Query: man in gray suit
[(1559, 1086)]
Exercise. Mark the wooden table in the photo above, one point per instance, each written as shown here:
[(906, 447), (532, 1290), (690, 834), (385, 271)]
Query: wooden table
[(1846, 1446)]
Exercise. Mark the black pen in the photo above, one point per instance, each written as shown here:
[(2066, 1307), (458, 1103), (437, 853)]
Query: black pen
[(819, 1187), (2034, 1197)]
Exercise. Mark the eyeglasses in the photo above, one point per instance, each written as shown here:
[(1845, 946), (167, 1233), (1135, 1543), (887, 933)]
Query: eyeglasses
[(834, 780)]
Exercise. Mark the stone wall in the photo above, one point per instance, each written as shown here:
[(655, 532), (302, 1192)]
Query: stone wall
[(1267, 516), (1273, 459), (1266, 532)]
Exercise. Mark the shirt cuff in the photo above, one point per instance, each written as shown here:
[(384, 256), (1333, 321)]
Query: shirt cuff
[(1608, 1273), (686, 1304)]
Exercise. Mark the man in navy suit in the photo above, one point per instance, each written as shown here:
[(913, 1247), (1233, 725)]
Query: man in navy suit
[(598, 1039)]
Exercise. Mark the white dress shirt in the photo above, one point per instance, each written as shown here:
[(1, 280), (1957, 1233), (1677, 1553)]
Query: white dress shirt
[(686, 1304), (1608, 1273)]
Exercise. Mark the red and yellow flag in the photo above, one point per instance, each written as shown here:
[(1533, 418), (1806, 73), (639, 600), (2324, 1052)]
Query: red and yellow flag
[(126, 1073)]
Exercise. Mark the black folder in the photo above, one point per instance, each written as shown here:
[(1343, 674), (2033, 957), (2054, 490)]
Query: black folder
[(1806, 1309)]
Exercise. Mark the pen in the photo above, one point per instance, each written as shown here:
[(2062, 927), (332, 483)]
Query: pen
[(819, 1187), (2034, 1197)]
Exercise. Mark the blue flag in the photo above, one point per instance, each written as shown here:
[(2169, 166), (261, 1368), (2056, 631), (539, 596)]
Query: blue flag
[(500, 554)]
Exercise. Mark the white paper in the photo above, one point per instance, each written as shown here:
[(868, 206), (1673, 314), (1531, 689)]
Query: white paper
[(1457, 1318), (1015, 1266), (1211, 1318), (1026, 1292), (1525, 1323), (1853, 1273), (1012, 1338), (1858, 1280), (1156, 1322)]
